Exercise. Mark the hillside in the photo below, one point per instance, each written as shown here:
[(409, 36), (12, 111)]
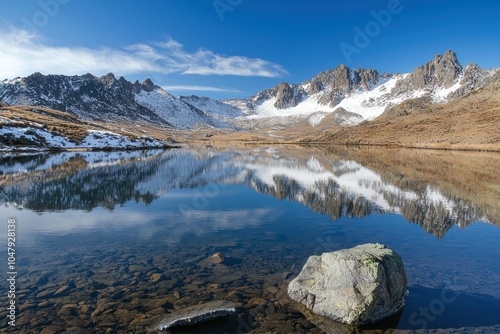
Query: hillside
[(470, 122), (26, 128), (107, 98)]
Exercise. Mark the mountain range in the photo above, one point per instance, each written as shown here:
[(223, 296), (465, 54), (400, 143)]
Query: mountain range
[(331, 99), (355, 95), (107, 98)]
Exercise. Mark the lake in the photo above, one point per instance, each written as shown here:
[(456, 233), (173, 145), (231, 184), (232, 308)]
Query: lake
[(108, 242)]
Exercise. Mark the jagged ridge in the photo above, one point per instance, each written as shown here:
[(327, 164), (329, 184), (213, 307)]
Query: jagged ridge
[(366, 92), (109, 99)]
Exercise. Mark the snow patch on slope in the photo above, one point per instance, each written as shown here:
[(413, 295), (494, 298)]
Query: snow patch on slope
[(39, 139), (371, 104), (308, 106), (315, 119), (440, 95)]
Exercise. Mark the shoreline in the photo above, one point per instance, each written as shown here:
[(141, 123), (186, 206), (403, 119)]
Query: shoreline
[(249, 144), (222, 141), (458, 148), (85, 149)]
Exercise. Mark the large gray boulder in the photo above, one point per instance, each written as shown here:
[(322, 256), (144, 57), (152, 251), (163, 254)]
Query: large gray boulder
[(356, 286)]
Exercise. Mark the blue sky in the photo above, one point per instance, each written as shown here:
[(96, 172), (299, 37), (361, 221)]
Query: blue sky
[(234, 48)]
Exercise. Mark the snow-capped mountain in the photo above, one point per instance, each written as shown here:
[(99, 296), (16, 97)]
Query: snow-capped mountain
[(340, 96), (364, 94), (107, 98)]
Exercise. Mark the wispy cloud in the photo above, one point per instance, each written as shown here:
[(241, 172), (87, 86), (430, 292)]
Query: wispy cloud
[(22, 53), (194, 88)]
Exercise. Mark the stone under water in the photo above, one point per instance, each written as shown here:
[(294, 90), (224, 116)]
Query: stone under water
[(196, 314)]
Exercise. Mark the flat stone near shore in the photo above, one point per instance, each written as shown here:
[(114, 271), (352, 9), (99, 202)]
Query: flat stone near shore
[(196, 314)]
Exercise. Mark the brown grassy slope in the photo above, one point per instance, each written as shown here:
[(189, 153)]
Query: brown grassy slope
[(471, 122), (48, 119), (71, 126)]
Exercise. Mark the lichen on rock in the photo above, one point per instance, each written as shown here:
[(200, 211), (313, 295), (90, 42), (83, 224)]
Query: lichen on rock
[(355, 286)]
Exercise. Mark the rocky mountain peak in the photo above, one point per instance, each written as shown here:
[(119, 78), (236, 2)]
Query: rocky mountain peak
[(341, 78), (451, 56), (35, 79), (87, 76), (285, 96), (442, 71), (344, 81), (148, 85), (108, 79), (319, 82), (366, 78), (472, 77), (472, 67), (344, 78)]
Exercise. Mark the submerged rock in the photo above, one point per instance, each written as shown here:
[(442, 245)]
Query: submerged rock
[(355, 286), (199, 313), (217, 258)]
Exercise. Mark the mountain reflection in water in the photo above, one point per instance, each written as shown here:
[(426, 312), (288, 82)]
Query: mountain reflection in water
[(108, 241), (435, 190)]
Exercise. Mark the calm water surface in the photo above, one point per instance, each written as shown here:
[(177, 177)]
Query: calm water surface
[(110, 242)]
